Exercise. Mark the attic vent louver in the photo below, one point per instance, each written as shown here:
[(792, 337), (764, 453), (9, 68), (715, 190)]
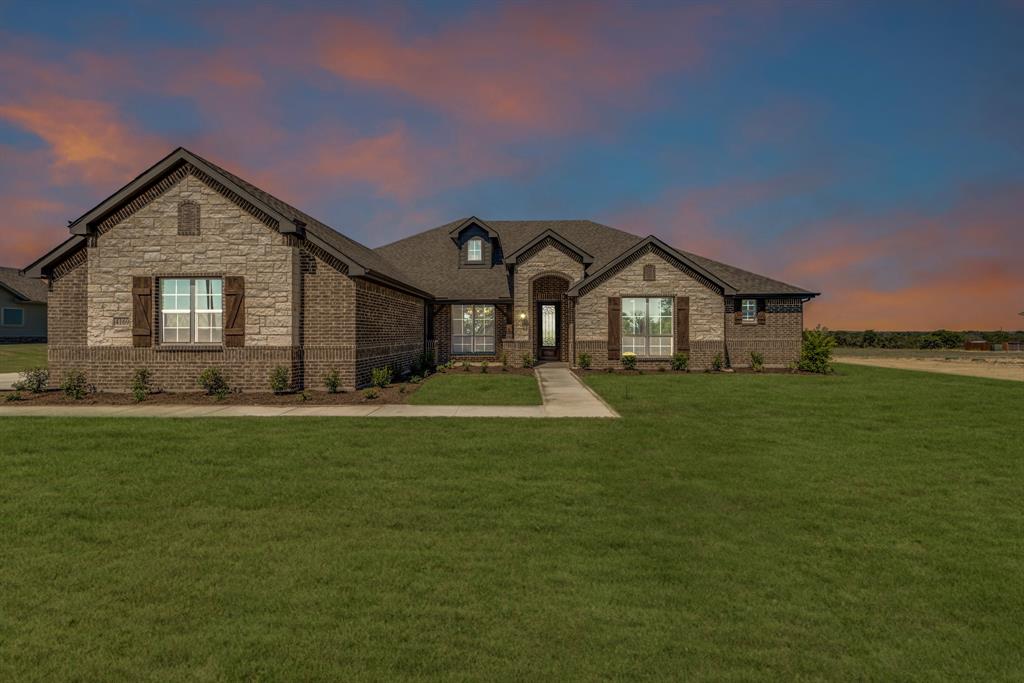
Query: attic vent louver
[(649, 272), (188, 218)]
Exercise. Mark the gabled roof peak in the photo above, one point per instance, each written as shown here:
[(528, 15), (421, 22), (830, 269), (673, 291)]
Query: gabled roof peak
[(473, 220)]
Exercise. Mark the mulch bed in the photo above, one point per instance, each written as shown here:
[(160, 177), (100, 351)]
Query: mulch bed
[(396, 393), (734, 371), (491, 370)]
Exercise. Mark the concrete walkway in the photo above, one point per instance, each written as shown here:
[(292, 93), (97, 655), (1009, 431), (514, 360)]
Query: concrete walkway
[(7, 380), (562, 392)]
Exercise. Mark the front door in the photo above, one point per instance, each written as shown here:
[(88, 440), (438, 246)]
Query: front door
[(549, 315)]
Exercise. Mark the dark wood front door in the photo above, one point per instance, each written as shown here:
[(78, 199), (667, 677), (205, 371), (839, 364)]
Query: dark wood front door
[(549, 335)]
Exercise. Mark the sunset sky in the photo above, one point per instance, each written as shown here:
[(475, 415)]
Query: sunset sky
[(870, 151)]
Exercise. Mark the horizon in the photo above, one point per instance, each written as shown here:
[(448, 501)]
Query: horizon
[(869, 152)]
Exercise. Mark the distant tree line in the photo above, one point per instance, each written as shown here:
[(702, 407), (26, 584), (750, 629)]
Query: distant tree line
[(939, 339)]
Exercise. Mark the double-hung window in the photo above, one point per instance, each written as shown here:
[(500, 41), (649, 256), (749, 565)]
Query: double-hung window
[(191, 310), (475, 250), (647, 326), (749, 308), (472, 328), (12, 317)]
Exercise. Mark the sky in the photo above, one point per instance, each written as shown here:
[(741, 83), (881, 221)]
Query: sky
[(873, 152)]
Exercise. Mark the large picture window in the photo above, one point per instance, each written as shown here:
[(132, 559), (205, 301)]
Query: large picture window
[(647, 326), (191, 310), (472, 328)]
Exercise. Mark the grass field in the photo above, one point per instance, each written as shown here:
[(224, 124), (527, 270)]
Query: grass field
[(860, 526), (491, 389), (18, 357), (959, 354)]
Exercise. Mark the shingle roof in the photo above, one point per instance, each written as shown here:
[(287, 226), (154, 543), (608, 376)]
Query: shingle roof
[(23, 287), (431, 260)]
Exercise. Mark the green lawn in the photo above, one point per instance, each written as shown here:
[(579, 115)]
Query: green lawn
[(729, 527), (18, 357), (456, 388)]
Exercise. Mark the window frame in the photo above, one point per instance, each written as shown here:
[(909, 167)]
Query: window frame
[(3, 316), (193, 312), (479, 243), (488, 339), (630, 347), (752, 320)]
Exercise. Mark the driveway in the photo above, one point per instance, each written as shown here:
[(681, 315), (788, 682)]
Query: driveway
[(7, 380)]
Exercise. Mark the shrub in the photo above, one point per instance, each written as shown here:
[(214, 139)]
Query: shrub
[(629, 360), (371, 393), (279, 379), (584, 361), (75, 385), (528, 360), (680, 361), (332, 380), (756, 361), (304, 396), (13, 396), (504, 362), (381, 377), (423, 363), (717, 363), (483, 367), (816, 352), (141, 381), (213, 383), (34, 380), (465, 366), (415, 379)]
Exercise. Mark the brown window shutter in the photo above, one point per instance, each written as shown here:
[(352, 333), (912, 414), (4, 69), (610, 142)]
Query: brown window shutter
[(614, 327), (682, 323), (234, 311), (649, 272), (762, 313), (737, 307), (142, 311)]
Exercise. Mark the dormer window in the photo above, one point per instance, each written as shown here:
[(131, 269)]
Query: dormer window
[(475, 250)]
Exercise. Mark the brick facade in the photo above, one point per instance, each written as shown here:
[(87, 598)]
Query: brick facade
[(550, 288), (778, 340), (442, 332), (390, 329), (547, 258)]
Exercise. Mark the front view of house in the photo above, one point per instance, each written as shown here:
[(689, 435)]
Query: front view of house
[(189, 267)]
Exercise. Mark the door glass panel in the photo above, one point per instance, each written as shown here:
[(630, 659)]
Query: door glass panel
[(547, 316)]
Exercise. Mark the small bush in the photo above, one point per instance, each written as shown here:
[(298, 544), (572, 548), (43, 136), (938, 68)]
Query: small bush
[(465, 366), (213, 383), (14, 396), (717, 363), (332, 380), (279, 379), (415, 379), (483, 367), (141, 384), (504, 362), (816, 352), (304, 396), (528, 361), (34, 379), (75, 385), (371, 393), (756, 361), (423, 363), (584, 361), (681, 361), (629, 360), (381, 377)]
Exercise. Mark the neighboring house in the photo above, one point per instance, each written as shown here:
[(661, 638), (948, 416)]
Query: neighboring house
[(189, 266), (22, 308)]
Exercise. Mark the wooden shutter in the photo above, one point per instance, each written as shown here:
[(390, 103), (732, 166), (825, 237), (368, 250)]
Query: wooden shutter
[(142, 311), (762, 313), (234, 311), (682, 323), (737, 307), (614, 327)]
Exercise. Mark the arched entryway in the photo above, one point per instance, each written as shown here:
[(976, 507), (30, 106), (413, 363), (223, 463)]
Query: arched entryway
[(549, 320)]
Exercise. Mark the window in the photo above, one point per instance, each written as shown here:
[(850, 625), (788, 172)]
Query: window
[(749, 308), (191, 310), (647, 326), (475, 250), (12, 317), (473, 328)]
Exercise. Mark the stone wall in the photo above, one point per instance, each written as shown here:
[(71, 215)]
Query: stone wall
[(231, 241), (707, 307), (549, 258)]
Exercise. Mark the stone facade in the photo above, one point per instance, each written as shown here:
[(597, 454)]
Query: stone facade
[(548, 258)]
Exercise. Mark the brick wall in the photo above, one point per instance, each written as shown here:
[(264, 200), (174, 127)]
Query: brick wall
[(547, 258), (707, 332), (550, 288), (389, 329), (328, 314), (442, 330), (778, 340)]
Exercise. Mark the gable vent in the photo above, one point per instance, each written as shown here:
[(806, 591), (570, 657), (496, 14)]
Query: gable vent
[(188, 218), (649, 272)]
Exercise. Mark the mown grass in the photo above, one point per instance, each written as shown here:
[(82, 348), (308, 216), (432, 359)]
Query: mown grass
[(20, 357), (455, 388), (861, 526)]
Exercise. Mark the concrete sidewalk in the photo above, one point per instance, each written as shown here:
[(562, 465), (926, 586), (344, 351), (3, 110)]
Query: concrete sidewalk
[(562, 392), (7, 380)]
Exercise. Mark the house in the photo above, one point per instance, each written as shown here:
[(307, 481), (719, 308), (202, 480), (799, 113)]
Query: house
[(189, 266), (22, 308)]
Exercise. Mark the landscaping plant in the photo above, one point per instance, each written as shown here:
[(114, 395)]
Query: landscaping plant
[(34, 380), (629, 360), (483, 367), (465, 366), (680, 361), (816, 351), (527, 360), (381, 377), (584, 361), (332, 380), (717, 363), (213, 383), (279, 379), (504, 362), (371, 393), (756, 361), (75, 385), (141, 384)]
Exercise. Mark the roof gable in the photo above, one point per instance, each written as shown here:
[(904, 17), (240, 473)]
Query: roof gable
[(524, 252), (23, 288)]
